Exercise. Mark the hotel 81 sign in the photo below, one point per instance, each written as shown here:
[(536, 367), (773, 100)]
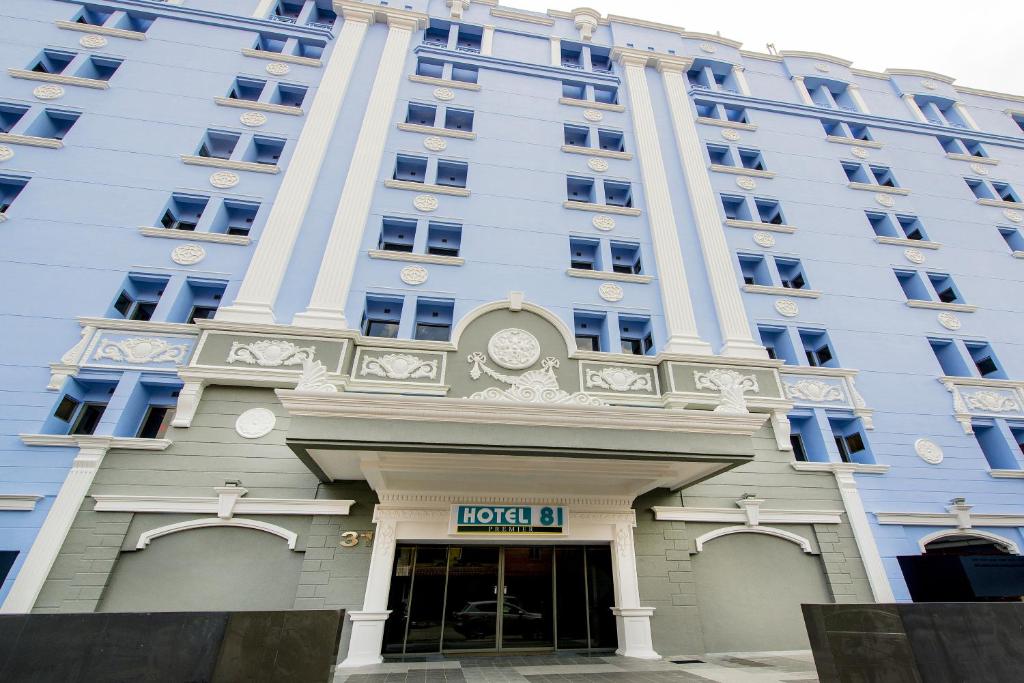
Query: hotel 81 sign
[(508, 519)]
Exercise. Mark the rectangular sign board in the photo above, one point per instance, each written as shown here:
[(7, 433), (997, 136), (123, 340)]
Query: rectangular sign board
[(548, 520)]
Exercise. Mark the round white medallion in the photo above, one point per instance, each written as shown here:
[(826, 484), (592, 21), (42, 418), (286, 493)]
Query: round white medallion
[(707, 47), (979, 169), (765, 239), (885, 200), (5, 152), (602, 222), (746, 183), (435, 144), (730, 134), (592, 115), (599, 165), (188, 254), (914, 255), (787, 307), (92, 41), (949, 321), (48, 92), (859, 152), (255, 422), (609, 291), (413, 275), (224, 179), (444, 94), (253, 119), (1015, 216), (425, 202), (513, 348), (931, 85), (822, 67), (277, 68), (929, 451)]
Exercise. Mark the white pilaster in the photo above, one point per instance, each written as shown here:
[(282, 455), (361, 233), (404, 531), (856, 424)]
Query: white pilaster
[(262, 10), (857, 98), (869, 555), (914, 109), (801, 88), (457, 7), (255, 300), (368, 624), (739, 75), (966, 116), (487, 41), (55, 528), (632, 622), (675, 292), (327, 304), (732, 318), (556, 52)]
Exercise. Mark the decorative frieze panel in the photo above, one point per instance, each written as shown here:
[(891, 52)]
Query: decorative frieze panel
[(384, 366), (725, 388), (619, 381), (825, 388), (270, 353), (267, 352), (142, 349), (984, 398)]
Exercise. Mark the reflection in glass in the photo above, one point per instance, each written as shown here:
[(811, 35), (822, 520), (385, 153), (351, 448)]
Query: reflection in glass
[(472, 606)]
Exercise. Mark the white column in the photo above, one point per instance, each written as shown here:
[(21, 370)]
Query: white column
[(857, 98), (262, 10), (255, 300), (675, 292), (368, 624), (869, 555), (632, 622), (556, 52), (59, 519), (487, 42), (801, 88), (327, 304), (966, 116), (914, 109), (732, 317), (740, 77)]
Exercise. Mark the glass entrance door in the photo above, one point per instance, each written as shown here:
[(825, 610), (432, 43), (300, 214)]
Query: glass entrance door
[(527, 608)]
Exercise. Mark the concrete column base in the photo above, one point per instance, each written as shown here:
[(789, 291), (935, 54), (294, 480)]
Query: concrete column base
[(245, 312), (367, 639), (742, 348), (321, 318), (633, 625)]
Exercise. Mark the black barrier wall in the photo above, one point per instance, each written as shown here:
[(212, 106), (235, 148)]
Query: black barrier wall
[(197, 647)]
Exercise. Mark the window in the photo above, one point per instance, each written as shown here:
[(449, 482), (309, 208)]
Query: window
[(289, 95), (579, 189), (198, 301), (591, 333), (911, 227), (436, 34), (270, 43), (805, 437), (913, 286), (155, 422), (52, 62), (984, 359), (81, 407), (635, 335), (572, 55), (574, 91), (469, 39), (93, 16), (583, 253), (855, 172), (183, 212), (311, 49), (979, 188), (321, 17), (139, 297), (791, 273), (754, 270), (735, 208), (776, 342), (1019, 120), (235, 217), (218, 144), (382, 316), (850, 440), (830, 94), (248, 89), (264, 150), (1018, 436), (940, 111), (843, 129), (606, 94), (949, 357), (818, 349), (452, 173), (769, 211), (465, 73), (883, 176), (433, 319), (618, 193), (10, 188), (421, 114), (962, 146), (458, 119), (882, 224), (752, 159), (1005, 192), (444, 239), (600, 59), (720, 155), (431, 68), (576, 136), (10, 114), (944, 288), (1013, 238), (98, 68), (53, 124), (397, 234), (994, 445), (410, 169), (288, 10), (610, 140), (626, 258), (88, 419)]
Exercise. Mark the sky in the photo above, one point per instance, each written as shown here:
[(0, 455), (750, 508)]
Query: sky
[(979, 43)]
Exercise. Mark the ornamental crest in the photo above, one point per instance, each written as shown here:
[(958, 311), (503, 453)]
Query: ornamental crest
[(141, 350), (731, 386), (814, 390), (270, 353), (991, 402), (533, 386), (618, 379), (399, 366)]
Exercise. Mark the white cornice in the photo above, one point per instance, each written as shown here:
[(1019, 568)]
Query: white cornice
[(209, 505), (443, 82), (192, 236), (869, 74), (817, 372), (1006, 474), (903, 242), (1001, 204), (725, 123), (740, 170), (596, 152), (416, 258), (941, 306), (253, 166), (616, 18), (885, 189), (606, 275), (757, 225), (602, 208), (17, 502), (431, 130), (736, 515), (750, 54), (853, 141), (101, 30), (216, 325), (30, 140), (281, 57), (946, 519), (711, 38), (573, 102), (816, 55), (105, 442), (982, 382), (921, 74), (972, 159), (426, 187), (782, 291), (58, 78), (260, 106), (851, 467), (146, 326), (521, 16), (988, 93)]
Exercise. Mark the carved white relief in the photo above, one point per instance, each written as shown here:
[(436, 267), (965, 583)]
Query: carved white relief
[(48, 92), (609, 291), (314, 378), (814, 390), (72, 354), (255, 422), (764, 239), (188, 254), (929, 451), (914, 255), (787, 307), (618, 379), (822, 67), (413, 275), (599, 165), (444, 94), (730, 134), (141, 350), (513, 348), (435, 143), (592, 115), (602, 222), (929, 84), (253, 119), (6, 153), (224, 179), (1015, 216), (859, 152), (885, 200), (425, 202), (707, 47), (990, 401), (92, 41), (979, 169), (533, 386), (277, 68), (746, 183), (399, 366), (730, 385), (270, 353), (949, 321)]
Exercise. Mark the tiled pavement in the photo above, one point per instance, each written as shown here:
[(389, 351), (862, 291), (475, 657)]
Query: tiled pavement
[(761, 667)]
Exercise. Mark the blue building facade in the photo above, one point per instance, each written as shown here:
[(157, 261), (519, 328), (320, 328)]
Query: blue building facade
[(312, 178)]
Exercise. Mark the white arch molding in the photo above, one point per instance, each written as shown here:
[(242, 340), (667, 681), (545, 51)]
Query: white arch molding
[(567, 335), (238, 522), (1009, 545), (804, 544)]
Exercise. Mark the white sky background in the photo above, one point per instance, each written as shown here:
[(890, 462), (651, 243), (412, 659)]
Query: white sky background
[(980, 43)]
